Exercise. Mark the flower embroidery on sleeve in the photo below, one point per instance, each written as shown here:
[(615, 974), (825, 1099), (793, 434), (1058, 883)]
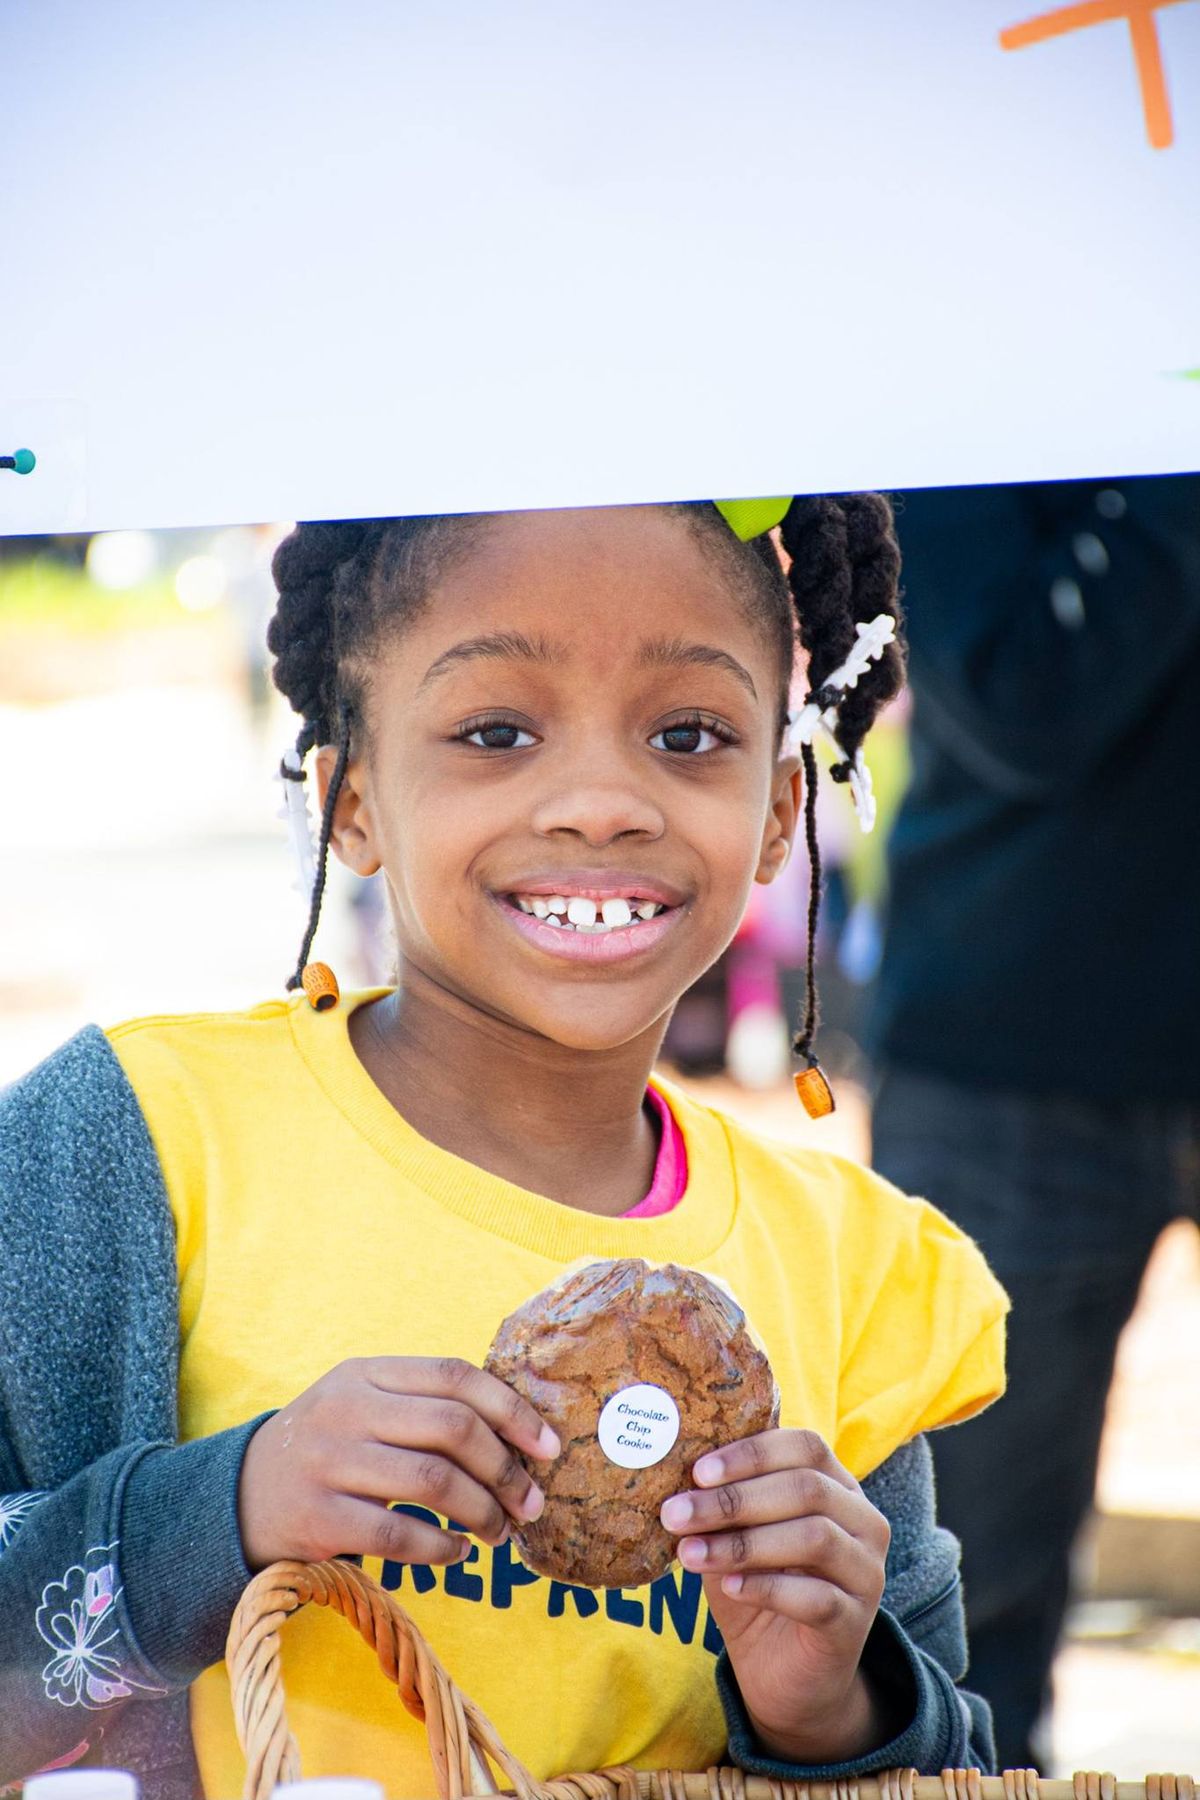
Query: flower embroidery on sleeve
[(78, 1619), (14, 1510)]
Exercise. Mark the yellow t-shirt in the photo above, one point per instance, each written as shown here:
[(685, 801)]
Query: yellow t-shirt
[(314, 1225)]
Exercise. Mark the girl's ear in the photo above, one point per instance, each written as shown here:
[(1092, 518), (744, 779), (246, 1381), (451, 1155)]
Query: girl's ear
[(780, 828), (352, 837)]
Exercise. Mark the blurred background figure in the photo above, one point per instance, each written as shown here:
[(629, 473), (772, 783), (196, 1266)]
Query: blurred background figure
[(1036, 1022)]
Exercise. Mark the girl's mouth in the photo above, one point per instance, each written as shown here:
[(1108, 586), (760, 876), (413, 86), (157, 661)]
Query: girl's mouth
[(590, 930)]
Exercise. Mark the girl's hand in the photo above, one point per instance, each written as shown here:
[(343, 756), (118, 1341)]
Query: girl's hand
[(792, 1554), (317, 1478)]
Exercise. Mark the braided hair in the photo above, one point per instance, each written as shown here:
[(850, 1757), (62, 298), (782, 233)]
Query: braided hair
[(343, 585), (845, 569)]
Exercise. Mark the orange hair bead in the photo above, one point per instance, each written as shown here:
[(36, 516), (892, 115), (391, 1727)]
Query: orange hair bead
[(816, 1095), (320, 984)]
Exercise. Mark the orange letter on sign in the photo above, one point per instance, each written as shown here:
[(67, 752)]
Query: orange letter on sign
[(1147, 52)]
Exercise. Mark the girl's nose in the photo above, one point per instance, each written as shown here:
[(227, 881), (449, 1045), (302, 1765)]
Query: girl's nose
[(598, 811)]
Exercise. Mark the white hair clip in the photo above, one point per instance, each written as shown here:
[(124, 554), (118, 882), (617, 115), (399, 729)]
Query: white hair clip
[(872, 639), (862, 792), (295, 812), (858, 775)]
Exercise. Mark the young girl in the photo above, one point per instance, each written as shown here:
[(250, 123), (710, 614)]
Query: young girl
[(250, 1264)]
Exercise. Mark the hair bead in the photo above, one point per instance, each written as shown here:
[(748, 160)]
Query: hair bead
[(321, 986), (816, 1095)]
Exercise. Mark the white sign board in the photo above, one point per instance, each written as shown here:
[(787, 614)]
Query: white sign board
[(277, 260)]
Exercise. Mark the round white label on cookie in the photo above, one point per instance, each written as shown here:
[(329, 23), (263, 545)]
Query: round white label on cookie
[(638, 1426)]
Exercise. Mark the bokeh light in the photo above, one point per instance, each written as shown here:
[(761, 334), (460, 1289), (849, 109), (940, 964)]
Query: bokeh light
[(117, 560), (200, 583)]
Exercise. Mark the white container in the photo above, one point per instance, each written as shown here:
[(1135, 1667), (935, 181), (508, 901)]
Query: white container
[(331, 1787), (83, 1784)]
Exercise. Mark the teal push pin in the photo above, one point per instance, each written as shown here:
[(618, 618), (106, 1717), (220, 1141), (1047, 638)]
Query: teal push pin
[(23, 461)]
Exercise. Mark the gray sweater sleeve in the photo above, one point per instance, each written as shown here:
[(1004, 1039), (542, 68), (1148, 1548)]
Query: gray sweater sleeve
[(120, 1558), (916, 1653)]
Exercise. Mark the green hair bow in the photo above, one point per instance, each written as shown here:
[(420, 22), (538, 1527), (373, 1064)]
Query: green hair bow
[(750, 518)]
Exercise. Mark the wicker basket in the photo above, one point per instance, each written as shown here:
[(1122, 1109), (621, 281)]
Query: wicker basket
[(467, 1750)]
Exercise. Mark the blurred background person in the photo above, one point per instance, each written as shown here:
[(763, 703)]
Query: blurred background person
[(1036, 1022)]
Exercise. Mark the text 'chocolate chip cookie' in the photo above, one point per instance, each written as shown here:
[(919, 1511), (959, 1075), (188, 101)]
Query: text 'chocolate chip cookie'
[(640, 1369)]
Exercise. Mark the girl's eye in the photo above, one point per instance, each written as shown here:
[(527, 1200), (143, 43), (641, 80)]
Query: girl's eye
[(496, 734), (691, 737)]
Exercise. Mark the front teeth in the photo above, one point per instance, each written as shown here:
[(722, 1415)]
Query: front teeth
[(579, 913)]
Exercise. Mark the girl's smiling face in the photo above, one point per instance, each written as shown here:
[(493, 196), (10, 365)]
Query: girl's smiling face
[(585, 709)]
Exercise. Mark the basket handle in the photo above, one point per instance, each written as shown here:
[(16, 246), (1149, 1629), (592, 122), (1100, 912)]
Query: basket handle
[(462, 1741), (465, 1745)]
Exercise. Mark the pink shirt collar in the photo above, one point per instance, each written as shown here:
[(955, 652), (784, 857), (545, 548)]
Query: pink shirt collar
[(670, 1167)]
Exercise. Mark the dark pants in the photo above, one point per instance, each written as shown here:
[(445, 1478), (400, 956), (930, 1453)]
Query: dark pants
[(1066, 1200)]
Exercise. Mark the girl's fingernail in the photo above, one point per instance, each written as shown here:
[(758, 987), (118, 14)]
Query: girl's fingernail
[(464, 1550), (693, 1552), (676, 1513), (732, 1584), (709, 1471), (548, 1444), (533, 1505)]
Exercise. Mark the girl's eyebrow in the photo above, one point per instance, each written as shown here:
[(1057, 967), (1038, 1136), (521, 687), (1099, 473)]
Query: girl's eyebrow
[(677, 653), (500, 644)]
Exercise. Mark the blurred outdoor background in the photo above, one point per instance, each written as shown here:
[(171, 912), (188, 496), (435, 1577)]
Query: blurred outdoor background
[(143, 870)]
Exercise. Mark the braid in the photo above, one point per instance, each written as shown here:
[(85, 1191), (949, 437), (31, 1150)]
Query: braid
[(802, 1042), (845, 566), (295, 980), (302, 634), (814, 536), (874, 588), (341, 583)]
